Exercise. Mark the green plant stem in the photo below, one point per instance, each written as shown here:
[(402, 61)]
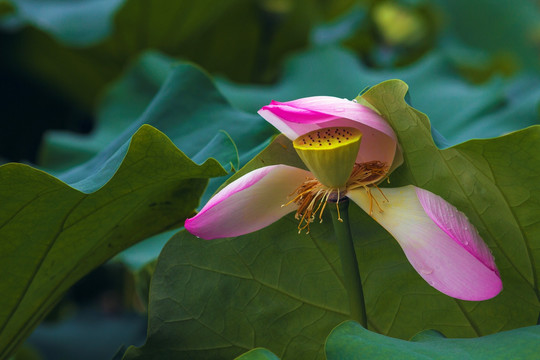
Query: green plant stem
[(351, 274)]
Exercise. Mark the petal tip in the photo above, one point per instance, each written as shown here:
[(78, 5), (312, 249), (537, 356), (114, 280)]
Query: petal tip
[(488, 291)]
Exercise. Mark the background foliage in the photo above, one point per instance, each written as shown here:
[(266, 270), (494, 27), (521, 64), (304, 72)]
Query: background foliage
[(284, 291), (80, 78)]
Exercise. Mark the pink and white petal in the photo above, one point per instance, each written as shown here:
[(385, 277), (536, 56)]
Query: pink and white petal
[(297, 117), (292, 130), (445, 258), (249, 203), (321, 109), (456, 225), (375, 146), (295, 111)]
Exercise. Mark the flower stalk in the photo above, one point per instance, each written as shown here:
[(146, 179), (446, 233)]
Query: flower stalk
[(349, 262)]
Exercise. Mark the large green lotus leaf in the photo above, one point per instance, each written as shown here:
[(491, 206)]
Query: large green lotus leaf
[(283, 291), (219, 299), (231, 295), (52, 234), (353, 342), (123, 102), (457, 109), (181, 101), (187, 108)]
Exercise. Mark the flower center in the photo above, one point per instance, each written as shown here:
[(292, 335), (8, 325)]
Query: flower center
[(311, 196), (330, 154)]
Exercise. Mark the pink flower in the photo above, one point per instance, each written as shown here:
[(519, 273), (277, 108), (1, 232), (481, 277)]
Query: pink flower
[(349, 148)]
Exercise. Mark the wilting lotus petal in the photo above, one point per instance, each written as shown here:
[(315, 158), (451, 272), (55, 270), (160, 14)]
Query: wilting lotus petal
[(249, 203), (298, 117), (456, 225), (438, 240)]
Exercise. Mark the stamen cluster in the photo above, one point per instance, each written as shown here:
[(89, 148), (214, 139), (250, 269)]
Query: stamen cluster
[(311, 196)]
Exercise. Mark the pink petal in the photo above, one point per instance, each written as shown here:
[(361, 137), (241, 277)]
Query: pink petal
[(454, 223), (294, 118), (438, 240), (249, 203), (321, 109)]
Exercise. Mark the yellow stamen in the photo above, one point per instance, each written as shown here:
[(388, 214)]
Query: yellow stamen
[(337, 208), (367, 173), (384, 196), (312, 196)]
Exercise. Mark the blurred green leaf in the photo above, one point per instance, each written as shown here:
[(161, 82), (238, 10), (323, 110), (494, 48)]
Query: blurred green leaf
[(77, 336), (258, 354), (459, 110), (26, 352), (136, 257), (339, 29), (143, 276), (91, 53), (352, 342), (6, 7), (283, 291), (52, 234), (515, 35), (76, 22)]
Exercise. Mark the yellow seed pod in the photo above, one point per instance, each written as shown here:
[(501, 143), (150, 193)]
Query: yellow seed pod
[(330, 153)]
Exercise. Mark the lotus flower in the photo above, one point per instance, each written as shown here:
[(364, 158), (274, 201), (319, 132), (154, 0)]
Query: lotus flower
[(349, 149)]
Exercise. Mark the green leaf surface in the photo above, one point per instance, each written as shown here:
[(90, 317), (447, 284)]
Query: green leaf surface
[(124, 101), (187, 108), (266, 290), (258, 354), (494, 182), (353, 342), (219, 299), (53, 234), (283, 291), (178, 99)]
